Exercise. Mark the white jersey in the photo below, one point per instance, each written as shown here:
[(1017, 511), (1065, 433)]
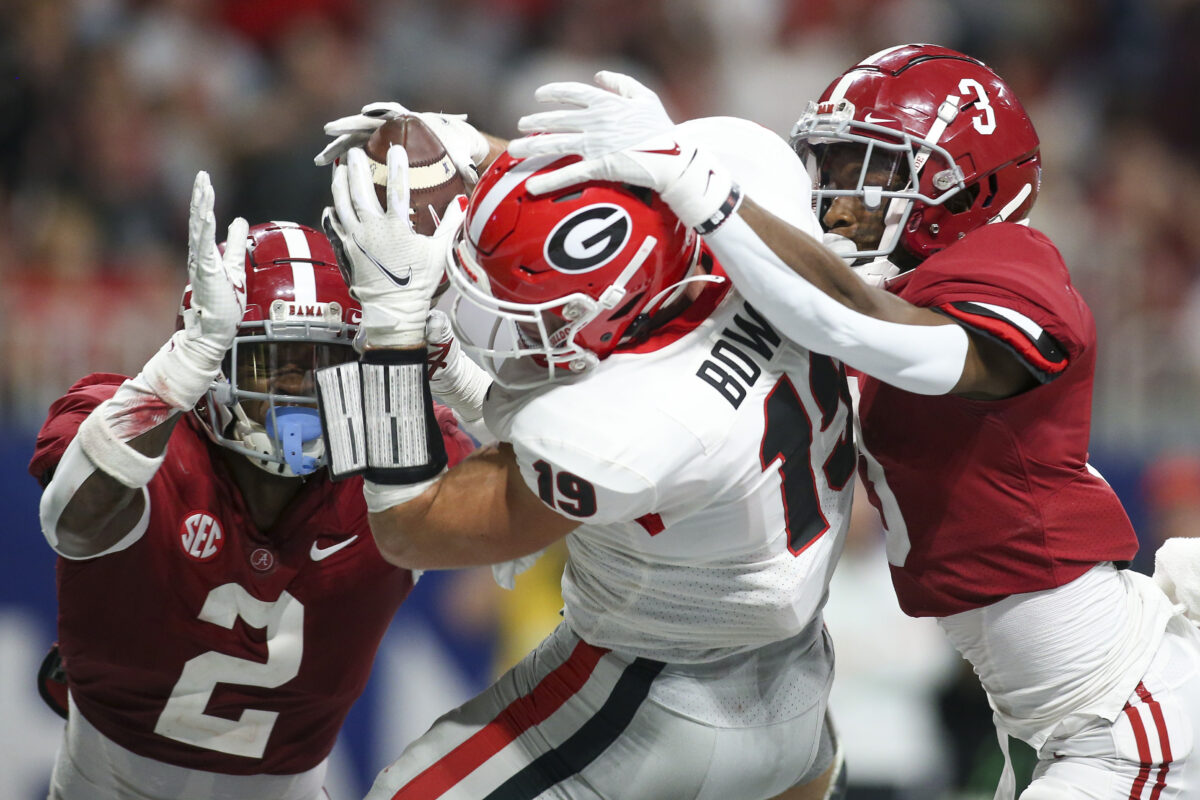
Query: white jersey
[(711, 472)]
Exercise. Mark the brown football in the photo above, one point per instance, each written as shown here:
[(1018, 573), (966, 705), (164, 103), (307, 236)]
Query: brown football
[(433, 180)]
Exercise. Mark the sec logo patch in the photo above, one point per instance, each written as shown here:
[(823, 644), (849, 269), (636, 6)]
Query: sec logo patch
[(201, 536)]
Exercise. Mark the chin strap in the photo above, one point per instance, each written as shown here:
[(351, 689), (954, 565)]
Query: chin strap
[(876, 272)]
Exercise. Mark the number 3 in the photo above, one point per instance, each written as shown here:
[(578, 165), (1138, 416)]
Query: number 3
[(183, 718), (987, 123)]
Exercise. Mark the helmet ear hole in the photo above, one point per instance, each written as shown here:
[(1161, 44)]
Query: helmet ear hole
[(965, 200), (625, 309)]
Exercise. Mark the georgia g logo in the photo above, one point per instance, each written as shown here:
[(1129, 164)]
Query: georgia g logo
[(588, 238)]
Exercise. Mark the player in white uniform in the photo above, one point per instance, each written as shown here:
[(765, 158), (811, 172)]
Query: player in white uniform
[(698, 465), (975, 408)]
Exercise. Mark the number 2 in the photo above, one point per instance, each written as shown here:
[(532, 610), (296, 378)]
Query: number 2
[(183, 718), (788, 437)]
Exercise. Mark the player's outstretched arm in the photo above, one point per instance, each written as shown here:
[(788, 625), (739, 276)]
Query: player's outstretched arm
[(480, 512), (805, 289), (378, 412), (799, 284), (96, 500)]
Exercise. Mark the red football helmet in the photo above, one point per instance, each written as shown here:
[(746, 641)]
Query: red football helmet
[(299, 317), (574, 273), (936, 133)]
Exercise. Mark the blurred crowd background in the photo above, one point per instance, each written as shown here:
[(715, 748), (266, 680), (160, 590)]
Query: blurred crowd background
[(108, 108)]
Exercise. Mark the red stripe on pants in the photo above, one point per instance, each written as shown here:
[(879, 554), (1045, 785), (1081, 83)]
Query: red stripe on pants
[(1143, 747), (1164, 738), (521, 714)]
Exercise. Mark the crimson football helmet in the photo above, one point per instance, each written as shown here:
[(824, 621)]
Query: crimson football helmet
[(936, 134), (572, 274), (299, 318)]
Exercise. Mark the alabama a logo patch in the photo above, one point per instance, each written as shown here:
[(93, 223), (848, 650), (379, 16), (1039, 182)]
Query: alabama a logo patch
[(201, 536)]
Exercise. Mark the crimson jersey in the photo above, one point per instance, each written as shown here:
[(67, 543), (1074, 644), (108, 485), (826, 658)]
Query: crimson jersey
[(983, 499), (209, 644)]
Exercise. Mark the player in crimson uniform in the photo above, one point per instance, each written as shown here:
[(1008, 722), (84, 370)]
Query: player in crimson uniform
[(977, 358), (220, 600)]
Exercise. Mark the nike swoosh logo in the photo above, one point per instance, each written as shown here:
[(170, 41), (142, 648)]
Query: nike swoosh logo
[(674, 151), (321, 553), (393, 277), (874, 120)]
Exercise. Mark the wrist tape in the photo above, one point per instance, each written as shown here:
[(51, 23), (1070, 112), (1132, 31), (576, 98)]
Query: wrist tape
[(104, 435), (378, 418), (455, 380), (182, 370)]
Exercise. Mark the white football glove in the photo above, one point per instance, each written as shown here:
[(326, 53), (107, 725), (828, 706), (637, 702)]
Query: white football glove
[(616, 113), (393, 270), (181, 372), (465, 145), (694, 184)]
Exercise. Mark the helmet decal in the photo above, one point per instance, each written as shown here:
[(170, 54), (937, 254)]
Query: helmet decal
[(559, 280), (588, 238), (299, 317), (945, 147)]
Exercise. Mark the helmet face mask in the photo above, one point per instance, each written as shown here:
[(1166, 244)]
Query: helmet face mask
[(299, 318), (945, 121), (867, 182), (562, 279)]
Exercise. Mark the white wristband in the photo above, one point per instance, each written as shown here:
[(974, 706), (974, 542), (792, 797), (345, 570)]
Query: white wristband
[(182, 370), (704, 195), (382, 496)]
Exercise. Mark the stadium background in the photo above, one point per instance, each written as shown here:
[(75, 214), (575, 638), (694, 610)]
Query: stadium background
[(108, 107)]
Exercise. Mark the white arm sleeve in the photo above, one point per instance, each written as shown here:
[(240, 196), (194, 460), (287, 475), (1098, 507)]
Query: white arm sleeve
[(73, 469), (925, 359)]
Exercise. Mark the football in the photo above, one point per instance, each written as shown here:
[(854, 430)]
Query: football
[(433, 180)]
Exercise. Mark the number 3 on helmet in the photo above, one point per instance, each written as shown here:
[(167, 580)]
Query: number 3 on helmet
[(299, 318), (961, 146), (563, 278)]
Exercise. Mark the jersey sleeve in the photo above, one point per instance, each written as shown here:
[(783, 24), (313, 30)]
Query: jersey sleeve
[(63, 421), (1008, 282), (583, 486)]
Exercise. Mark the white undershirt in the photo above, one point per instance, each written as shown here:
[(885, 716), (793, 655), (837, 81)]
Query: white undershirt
[(1061, 657)]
